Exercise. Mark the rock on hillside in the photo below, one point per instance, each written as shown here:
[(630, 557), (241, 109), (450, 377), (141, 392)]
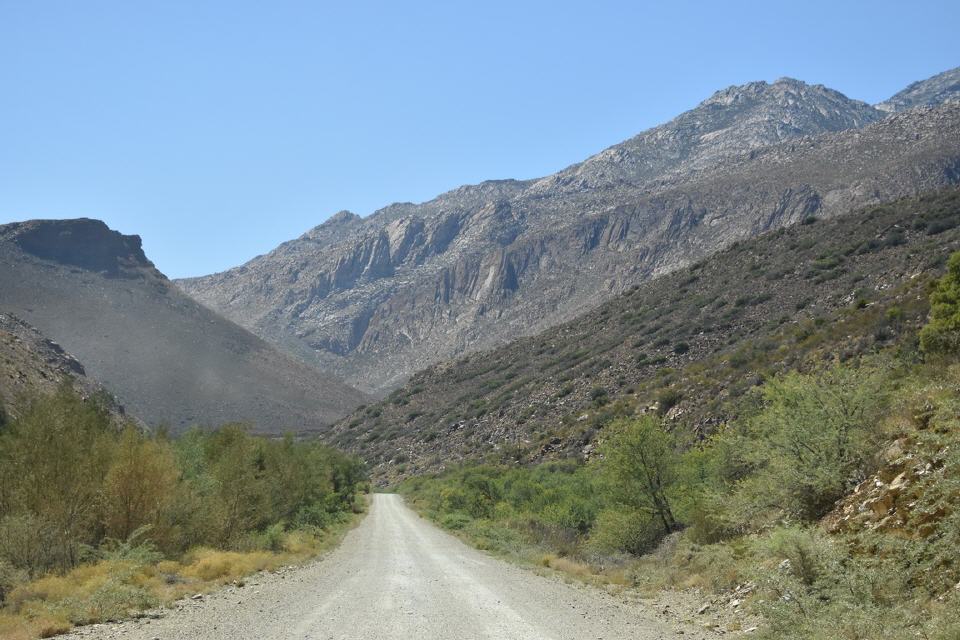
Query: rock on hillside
[(941, 88), (165, 357)]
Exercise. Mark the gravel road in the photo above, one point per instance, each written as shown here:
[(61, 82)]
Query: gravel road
[(397, 576)]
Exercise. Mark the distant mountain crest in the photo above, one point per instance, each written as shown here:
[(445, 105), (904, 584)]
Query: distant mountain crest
[(938, 89), (729, 123)]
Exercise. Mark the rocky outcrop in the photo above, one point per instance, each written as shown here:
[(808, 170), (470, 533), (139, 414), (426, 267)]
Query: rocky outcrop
[(943, 87), (376, 299), (84, 243), (891, 500)]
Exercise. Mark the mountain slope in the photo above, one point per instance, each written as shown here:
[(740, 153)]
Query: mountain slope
[(167, 358), (683, 343), (932, 91), (31, 364), (376, 299)]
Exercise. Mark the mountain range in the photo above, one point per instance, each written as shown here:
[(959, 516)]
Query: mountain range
[(296, 339), (372, 300)]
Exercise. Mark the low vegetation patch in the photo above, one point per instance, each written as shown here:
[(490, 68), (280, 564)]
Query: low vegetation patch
[(98, 522)]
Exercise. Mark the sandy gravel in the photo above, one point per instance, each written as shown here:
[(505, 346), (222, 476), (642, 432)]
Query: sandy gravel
[(397, 576)]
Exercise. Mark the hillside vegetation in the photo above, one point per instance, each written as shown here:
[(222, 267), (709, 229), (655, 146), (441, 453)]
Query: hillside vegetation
[(97, 522), (685, 346), (829, 505)]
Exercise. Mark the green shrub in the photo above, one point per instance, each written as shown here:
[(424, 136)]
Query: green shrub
[(10, 578), (639, 470), (455, 521), (812, 442), (617, 530), (667, 399), (941, 335), (73, 484)]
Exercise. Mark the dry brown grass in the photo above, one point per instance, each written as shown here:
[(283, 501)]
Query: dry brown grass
[(113, 589), (210, 565)]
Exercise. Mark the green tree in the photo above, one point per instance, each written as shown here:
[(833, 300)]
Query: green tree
[(640, 469), (813, 440), (941, 335), (139, 487), (53, 460)]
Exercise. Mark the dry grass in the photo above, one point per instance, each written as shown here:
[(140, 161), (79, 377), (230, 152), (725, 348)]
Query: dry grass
[(112, 590), (571, 569), (210, 565), (15, 627)]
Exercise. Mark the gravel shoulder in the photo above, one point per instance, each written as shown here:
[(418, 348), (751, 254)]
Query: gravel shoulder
[(398, 576)]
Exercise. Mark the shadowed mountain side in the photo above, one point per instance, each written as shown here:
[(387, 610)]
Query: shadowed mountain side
[(167, 358), (31, 365)]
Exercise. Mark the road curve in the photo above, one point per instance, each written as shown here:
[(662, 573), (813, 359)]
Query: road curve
[(397, 576)]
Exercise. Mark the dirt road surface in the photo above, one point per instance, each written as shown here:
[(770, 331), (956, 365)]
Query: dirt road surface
[(398, 576)]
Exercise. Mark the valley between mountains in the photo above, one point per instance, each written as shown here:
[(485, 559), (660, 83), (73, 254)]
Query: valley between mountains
[(705, 382)]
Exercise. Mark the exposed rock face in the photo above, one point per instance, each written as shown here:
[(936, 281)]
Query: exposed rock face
[(943, 87), (729, 123), (88, 244), (376, 299), (168, 359)]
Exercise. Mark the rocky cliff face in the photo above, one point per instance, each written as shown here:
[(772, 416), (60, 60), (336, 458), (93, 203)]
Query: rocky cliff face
[(376, 299), (943, 87), (84, 243), (168, 359)]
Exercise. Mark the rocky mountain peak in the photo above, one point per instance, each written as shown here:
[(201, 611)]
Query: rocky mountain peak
[(339, 219), (943, 87), (730, 123), (758, 90), (781, 92), (333, 228), (82, 242)]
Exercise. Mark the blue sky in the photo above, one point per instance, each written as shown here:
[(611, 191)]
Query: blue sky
[(217, 130)]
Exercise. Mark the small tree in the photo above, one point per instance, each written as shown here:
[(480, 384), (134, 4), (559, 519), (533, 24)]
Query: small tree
[(941, 335), (53, 460), (813, 440), (639, 468), (139, 486)]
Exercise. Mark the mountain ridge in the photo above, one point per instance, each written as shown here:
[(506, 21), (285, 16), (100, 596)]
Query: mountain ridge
[(377, 298), (936, 89)]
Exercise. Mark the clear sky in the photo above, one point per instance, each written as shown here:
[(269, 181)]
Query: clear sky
[(218, 129)]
